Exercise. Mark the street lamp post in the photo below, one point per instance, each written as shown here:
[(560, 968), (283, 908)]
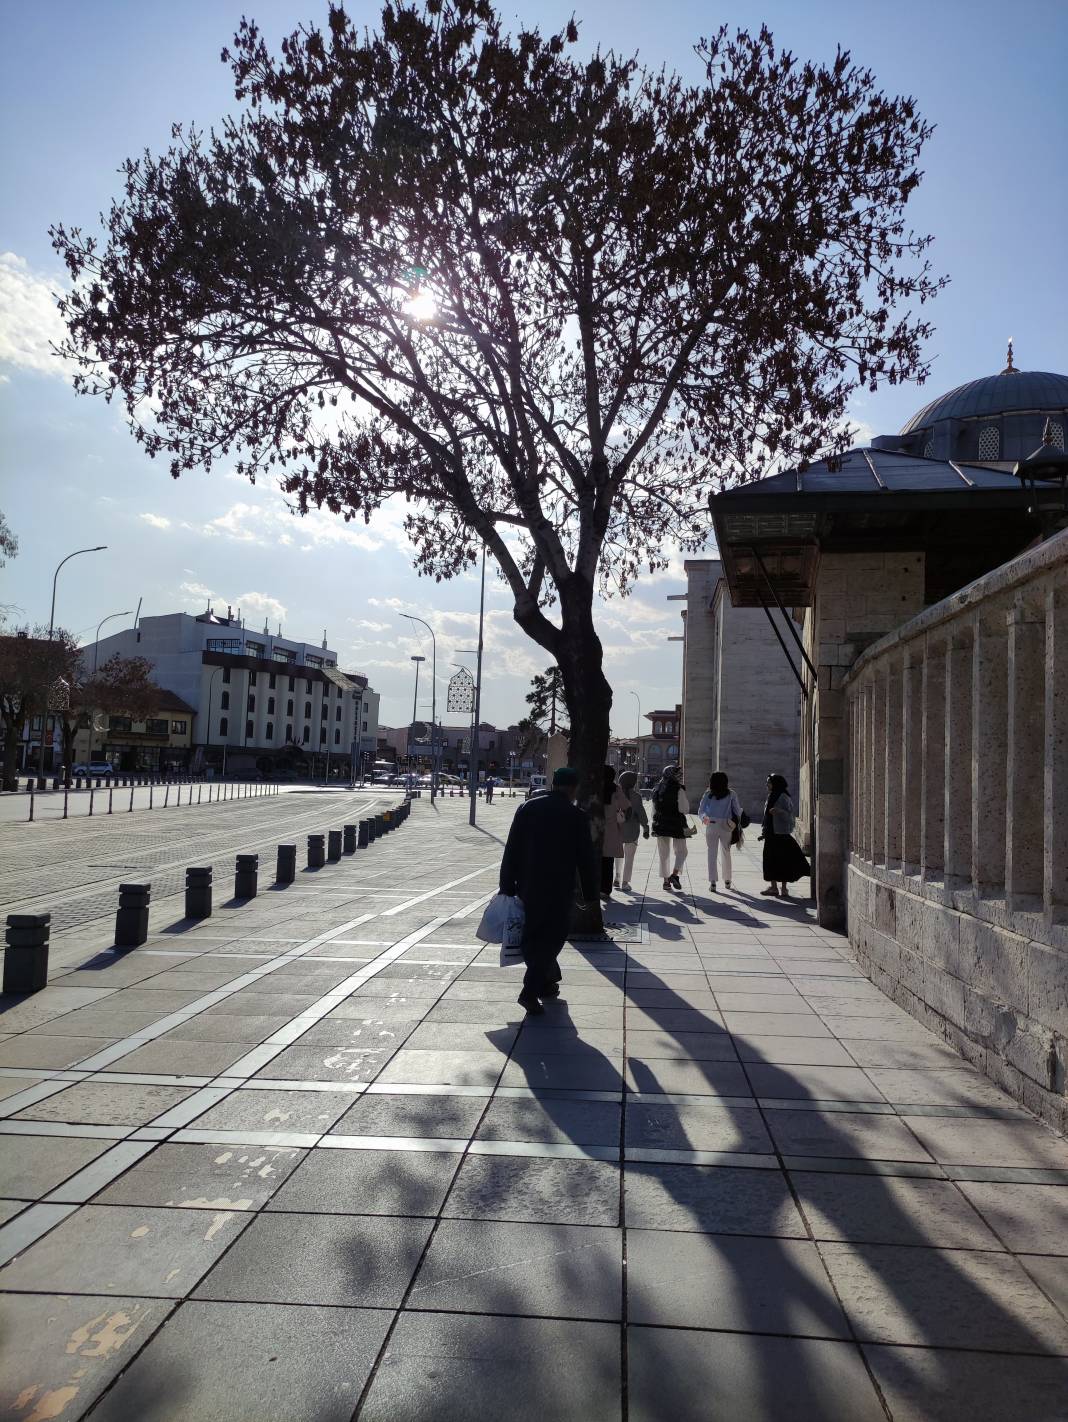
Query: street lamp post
[(100, 547), (637, 734), (96, 656), (415, 713), (433, 702)]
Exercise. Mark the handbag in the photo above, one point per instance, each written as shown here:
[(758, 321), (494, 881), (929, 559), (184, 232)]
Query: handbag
[(743, 823)]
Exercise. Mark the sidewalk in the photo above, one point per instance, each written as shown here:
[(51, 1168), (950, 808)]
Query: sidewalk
[(309, 1161)]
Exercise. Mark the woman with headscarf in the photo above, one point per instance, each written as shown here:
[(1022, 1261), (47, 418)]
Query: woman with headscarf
[(616, 806), (670, 826), (720, 812), (784, 861), (635, 824)]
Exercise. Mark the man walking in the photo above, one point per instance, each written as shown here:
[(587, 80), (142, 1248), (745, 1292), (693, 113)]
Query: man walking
[(549, 843)]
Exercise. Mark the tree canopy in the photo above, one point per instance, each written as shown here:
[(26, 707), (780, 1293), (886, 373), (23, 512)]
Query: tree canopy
[(547, 295)]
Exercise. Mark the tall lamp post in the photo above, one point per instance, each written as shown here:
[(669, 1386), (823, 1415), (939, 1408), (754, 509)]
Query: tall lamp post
[(96, 658), (100, 547), (637, 733), (415, 713), (433, 702)]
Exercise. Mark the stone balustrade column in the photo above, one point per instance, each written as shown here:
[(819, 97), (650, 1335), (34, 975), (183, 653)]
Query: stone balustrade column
[(892, 768), (911, 756), (878, 769), (1026, 750), (958, 756), (869, 769), (1055, 798), (933, 787), (990, 721), (860, 772)]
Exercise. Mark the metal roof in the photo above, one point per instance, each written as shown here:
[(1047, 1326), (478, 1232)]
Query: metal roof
[(875, 471), (1008, 393)]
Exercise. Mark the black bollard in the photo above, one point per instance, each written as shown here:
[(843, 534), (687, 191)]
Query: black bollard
[(333, 846), (26, 954), (198, 893), (246, 876), (348, 835), (380, 826), (316, 851), (363, 834), (131, 921), (286, 870)]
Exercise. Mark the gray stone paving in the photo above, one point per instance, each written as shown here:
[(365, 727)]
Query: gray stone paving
[(308, 1160)]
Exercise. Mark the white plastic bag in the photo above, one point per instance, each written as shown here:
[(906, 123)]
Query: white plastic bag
[(498, 913), (513, 926)]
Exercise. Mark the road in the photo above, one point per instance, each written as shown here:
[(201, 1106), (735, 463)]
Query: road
[(72, 868)]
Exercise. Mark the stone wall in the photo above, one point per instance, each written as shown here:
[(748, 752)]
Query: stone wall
[(858, 598), (957, 728), (742, 709)]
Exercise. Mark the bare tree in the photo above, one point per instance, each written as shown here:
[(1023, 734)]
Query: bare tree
[(550, 298)]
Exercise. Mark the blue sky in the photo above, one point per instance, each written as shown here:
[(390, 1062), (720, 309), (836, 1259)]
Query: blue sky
[(83, 86)]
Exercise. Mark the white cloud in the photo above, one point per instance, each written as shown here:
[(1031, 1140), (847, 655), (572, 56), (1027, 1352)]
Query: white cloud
[(196, 595), (29, 321), (155, 520), (261, 603)]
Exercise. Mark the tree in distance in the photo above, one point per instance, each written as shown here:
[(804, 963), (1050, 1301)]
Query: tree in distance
[(547, 295), (545, 693)]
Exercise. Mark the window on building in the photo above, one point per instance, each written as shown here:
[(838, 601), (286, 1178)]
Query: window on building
[(307, 687), (252, 676), (230, 645), (292, 683), (365, 725), (658, 728), (224, 701), (1056, 434), (272, 681), (289, 708), (116, 723), (179, 728), (989, 443), (324, 711), (329, 663), (307, 709), (289, 733), (226, 673), (157, 727), (224, 725), (928, 449), (270, 706), (310, 661), (36, 723), (270, 730), (254, 649), (250, 730), (322, 735), (251, 702), (307, 735), (673, 752), (281, 655), (337, 738), (337, 714)]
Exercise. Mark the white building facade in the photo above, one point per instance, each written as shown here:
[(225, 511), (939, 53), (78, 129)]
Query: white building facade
[(259, 695)]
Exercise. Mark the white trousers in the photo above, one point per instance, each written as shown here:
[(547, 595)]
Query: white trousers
[(664, 846), (625, 865), (718, 840)]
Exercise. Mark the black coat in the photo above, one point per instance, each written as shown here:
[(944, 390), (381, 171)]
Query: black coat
[(668, 819), (549, 843)]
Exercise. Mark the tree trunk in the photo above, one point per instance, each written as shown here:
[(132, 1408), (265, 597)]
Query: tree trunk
[(12, 729), (588, 697)]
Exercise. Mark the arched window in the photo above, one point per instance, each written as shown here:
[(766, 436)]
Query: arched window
[(289, 733), (270, 706), (1056, 434), (322, 735), (928, 449), (337, 713), (224, 725), (289, 708), (307, 710), (658, 728), (989, 442), (270, 730), (337, 738), (307, 734), (225, 701), (250, 731)]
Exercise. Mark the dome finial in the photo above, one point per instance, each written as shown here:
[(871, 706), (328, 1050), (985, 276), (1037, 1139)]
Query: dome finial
[(1010, 369)]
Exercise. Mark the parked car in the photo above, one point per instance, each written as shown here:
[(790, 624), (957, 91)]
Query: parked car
[(94, 768), (539, 784)]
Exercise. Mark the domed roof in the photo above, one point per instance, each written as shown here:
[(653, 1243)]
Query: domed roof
[(1011, 391)]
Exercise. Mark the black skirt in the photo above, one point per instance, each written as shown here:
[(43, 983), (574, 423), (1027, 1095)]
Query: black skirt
[(784, 859)]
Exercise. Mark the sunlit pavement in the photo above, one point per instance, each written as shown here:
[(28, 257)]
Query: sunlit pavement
[(307, 1160)]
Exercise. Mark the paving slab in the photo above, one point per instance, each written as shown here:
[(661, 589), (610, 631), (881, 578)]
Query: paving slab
[(204, 1177), (541, 1270), (696, 1127), (61, 1352), (877, 1209), (1029, 1218), (291, 1362), (924, 1383), (276, 1110), (691, 1376), (106, 1103), (358, 1260), (579, 1192), (111, 1249), (709, 1199), (468, 1368), (552, 1119), (31, 1166), (367, 1182)]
